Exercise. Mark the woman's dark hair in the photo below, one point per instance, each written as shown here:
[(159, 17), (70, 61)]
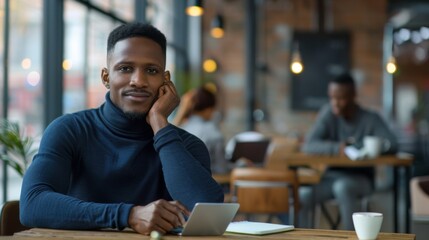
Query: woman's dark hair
[(203, 99)]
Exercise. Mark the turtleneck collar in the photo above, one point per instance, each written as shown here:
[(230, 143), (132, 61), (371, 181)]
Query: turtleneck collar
[(118, 122)]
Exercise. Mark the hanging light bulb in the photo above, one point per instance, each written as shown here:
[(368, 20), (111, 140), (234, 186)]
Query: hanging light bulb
[(296, 65), (210, 65), (194, 8), (391, 65), (217, 30)]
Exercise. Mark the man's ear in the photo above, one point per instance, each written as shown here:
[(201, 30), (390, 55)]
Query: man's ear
[(167, 76), (105, 77)]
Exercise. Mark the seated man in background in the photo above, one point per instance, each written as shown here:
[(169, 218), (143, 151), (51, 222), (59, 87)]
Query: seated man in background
[(341, 123), (122, 164), (195, 115)]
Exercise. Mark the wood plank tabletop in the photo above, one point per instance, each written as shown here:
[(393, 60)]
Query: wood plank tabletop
[(297, 234), (299, 158)]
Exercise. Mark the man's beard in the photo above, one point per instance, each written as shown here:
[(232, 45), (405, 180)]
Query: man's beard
[(135, 116)]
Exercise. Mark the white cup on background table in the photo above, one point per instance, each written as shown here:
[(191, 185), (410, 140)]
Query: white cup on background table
[(373, 146)]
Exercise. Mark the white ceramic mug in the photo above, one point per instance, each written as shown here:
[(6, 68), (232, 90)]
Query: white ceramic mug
[(372, 146), (367, 224)]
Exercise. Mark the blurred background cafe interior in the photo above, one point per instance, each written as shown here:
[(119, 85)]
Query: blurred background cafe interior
[(52, 52)]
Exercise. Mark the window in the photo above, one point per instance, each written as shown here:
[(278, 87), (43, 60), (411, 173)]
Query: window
[(99, 28), (74, 97), (25, 78), (86, 31)]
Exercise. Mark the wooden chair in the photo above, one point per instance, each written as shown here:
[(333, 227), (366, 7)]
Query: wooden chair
[(419, 189), (279, 148), (265, 191), (276, 159), (282, 148), (9, 219)]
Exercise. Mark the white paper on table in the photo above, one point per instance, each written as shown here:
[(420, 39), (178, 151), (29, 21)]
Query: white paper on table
[(354, 154)]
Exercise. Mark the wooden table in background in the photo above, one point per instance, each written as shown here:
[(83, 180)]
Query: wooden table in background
[(307, 177), (398, 163), (299, 159), (297, 234)]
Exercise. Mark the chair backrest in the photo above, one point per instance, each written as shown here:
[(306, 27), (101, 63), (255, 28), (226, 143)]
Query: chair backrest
[(419, 189), (264, 191), (9, 219), (278, 150)]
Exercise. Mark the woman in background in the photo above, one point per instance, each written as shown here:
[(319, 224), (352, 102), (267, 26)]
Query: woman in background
[(195, 115)]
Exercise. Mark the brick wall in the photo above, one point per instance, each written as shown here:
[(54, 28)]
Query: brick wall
[(277, 19)]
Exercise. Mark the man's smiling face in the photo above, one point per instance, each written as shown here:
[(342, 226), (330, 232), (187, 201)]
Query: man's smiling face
[(136, 72)]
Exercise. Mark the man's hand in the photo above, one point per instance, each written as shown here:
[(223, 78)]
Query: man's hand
[(167, 101), (161, 216), (341, 149)]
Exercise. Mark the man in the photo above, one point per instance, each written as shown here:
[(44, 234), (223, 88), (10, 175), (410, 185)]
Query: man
[(342, 122), (122, 164)]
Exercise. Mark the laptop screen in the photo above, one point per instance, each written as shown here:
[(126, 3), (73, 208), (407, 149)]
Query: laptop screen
[(208, 219), (252, 150)]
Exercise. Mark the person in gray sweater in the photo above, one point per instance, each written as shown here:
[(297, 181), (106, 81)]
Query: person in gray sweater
[(341, 123)]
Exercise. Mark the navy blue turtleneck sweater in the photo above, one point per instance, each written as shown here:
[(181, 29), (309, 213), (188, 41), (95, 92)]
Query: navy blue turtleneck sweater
[(93, 166)]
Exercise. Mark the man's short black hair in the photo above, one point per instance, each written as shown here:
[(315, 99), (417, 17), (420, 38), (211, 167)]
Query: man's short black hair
[(136, 29), (344, 79)]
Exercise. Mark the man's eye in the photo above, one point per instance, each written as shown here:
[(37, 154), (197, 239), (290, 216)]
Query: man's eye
[(125, 69), (152, 70)]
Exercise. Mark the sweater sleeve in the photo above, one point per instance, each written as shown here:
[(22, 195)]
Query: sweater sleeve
[(186, 166), (317, 140), (44, 201)]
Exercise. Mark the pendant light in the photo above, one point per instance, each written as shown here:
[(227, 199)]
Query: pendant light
[(194, 8), (217, 29), (296, 65), (391, 65), (210, 65)]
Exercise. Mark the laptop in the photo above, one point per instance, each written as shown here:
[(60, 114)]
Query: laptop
[(208, 219), (252, 150)]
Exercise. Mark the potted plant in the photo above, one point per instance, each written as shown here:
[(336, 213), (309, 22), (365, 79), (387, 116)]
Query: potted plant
[(16, 148)]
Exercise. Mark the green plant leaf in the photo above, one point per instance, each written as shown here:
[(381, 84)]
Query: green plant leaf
[(12, 163), (17, 148)]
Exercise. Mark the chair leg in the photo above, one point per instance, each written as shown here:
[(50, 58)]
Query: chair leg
[(337, 223), (333, 223), (315, 217)]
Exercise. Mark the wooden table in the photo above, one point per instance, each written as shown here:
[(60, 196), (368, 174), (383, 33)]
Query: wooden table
[(299, 159), (297, 234), (397, 162), (305, 176), (294, 160)]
